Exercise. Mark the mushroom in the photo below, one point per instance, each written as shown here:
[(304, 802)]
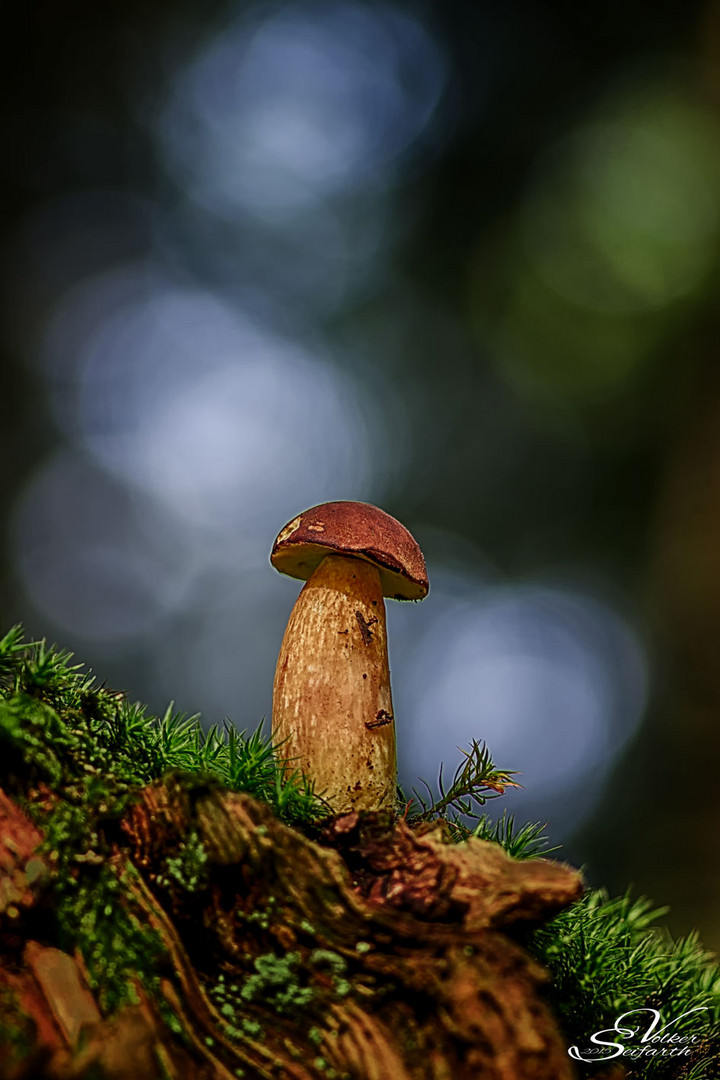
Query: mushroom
[(332, 707)]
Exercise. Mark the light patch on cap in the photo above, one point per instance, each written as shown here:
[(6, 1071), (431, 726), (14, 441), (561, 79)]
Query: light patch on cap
[(318, 527), (289, 529)]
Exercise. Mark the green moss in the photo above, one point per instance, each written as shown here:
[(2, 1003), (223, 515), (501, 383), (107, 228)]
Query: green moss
[(337, 965), (333, 960), (227, 999), (251, 1028), (261, 916), (276, 983), (606, 956), (92, 908), (117, 948), (57, 725), (188, 868), (324, 1067)]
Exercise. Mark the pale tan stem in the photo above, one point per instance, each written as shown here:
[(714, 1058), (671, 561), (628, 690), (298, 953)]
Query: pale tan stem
[(332, 708)]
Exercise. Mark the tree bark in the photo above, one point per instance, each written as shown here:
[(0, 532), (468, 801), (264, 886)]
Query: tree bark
[(370, 952)]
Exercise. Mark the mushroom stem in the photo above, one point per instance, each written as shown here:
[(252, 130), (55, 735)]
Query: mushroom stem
[(332, 708)]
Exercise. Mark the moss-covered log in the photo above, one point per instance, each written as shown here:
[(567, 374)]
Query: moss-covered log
[(174, 905), (370, 951)]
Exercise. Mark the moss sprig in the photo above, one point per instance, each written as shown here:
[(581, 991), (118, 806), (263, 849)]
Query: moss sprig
[(476, 779)]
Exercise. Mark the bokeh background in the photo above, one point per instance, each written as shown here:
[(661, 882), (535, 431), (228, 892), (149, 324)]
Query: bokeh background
[(461, 260)]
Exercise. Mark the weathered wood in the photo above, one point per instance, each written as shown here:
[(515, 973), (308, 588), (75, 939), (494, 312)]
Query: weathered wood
[(374, 952)]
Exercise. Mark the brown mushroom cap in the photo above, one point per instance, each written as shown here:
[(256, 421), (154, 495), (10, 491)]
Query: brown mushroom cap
[(357, 529)]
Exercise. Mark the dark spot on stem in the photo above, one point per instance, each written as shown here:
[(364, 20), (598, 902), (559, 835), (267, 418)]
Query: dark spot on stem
[(382, 717), (365, 631)]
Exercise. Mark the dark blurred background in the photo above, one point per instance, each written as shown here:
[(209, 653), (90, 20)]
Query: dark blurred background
[(460, 260)]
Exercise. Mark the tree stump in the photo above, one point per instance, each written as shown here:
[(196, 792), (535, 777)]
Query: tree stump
[(369, 951)]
